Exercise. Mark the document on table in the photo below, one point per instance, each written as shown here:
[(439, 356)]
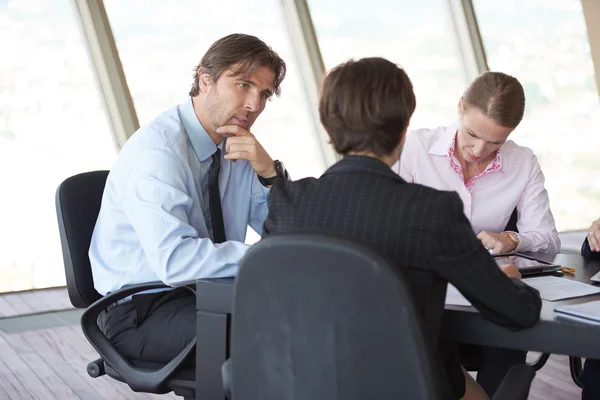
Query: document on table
[(553, 288), (588, 313), (455, 298)]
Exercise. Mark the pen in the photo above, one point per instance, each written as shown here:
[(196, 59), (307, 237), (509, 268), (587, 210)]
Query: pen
[(567, 270)]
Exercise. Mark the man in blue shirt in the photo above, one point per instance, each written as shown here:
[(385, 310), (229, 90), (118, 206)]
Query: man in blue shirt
[(181, 195)]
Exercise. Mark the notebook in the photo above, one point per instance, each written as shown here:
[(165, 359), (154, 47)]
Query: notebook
[(585, 312), (553, 288)]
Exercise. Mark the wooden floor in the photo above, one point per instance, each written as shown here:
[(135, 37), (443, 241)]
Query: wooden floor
[(553, 381), (50, 364), (33, 302)]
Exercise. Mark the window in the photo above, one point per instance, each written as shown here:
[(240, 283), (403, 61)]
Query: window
[(417, 35), (52, 125), (159, 47), (544, 44)]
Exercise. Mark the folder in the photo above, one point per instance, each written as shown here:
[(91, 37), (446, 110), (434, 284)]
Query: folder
[(585, 312)]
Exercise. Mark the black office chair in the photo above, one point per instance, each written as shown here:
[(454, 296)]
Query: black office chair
[(317, 317), (576, 368), (78, 201), (511, 225)]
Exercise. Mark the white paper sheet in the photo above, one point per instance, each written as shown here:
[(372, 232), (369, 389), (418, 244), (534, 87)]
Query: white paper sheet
[(553, 288), (455, 298)]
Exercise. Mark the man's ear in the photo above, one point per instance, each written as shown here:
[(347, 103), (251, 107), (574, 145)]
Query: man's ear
[(204, 80), (460, 107)]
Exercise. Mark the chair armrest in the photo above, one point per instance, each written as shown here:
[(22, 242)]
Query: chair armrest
[(101, 304), (516, 383), (139, 379)]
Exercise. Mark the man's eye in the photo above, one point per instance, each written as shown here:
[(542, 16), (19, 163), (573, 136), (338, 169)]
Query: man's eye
[(244, 85)]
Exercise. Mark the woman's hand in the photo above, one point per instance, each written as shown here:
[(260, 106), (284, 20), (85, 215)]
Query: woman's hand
[(498, 242)]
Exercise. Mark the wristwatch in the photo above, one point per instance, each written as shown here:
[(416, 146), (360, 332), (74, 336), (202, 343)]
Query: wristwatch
[(281, 173), (513, 238)]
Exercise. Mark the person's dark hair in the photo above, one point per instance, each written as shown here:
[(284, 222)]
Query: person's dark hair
[(498, 96), (366, 106), (243, 53)]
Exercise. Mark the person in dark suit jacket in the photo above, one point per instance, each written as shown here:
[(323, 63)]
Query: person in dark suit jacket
[(366, 107), (591, 369), (591, 245)]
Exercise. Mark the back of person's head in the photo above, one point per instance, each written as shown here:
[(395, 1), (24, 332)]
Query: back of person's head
[(366, 106), (498, 96), (242, 54)]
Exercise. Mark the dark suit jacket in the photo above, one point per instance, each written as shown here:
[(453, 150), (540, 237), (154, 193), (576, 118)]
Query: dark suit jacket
[(421, 230), (587, 252)]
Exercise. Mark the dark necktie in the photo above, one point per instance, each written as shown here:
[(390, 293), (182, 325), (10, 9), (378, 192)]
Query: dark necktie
[(214, 198)]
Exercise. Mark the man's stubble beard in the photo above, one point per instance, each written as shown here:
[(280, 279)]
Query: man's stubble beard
[(215, 111), (213, 108)]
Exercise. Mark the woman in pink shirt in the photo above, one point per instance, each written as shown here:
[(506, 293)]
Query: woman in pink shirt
[(492, 175)]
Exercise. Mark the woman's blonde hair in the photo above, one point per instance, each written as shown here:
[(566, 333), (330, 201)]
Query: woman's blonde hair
[(498, 96)]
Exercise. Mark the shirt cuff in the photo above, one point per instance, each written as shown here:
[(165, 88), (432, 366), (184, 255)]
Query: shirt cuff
[(264, 190), (510, 236), (259, 191), (525, 243), (586, 250)]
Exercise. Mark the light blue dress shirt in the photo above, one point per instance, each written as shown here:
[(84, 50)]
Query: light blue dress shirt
[(154, 220)]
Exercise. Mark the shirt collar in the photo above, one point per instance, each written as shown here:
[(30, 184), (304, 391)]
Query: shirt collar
[(445, 145), (363, 164), (201, 141)]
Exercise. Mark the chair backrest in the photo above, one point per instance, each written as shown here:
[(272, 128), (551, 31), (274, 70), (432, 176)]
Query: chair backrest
[(511, 225), (317, 317), (78, 201)]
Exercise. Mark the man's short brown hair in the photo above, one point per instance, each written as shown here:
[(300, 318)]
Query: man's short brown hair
[(366, 106), (242, 52)]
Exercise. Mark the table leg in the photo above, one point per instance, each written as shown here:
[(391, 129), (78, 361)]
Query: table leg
[(211, 353)]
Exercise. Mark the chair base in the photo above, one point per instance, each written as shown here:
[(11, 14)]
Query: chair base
[(540, 362), (576, 370)]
